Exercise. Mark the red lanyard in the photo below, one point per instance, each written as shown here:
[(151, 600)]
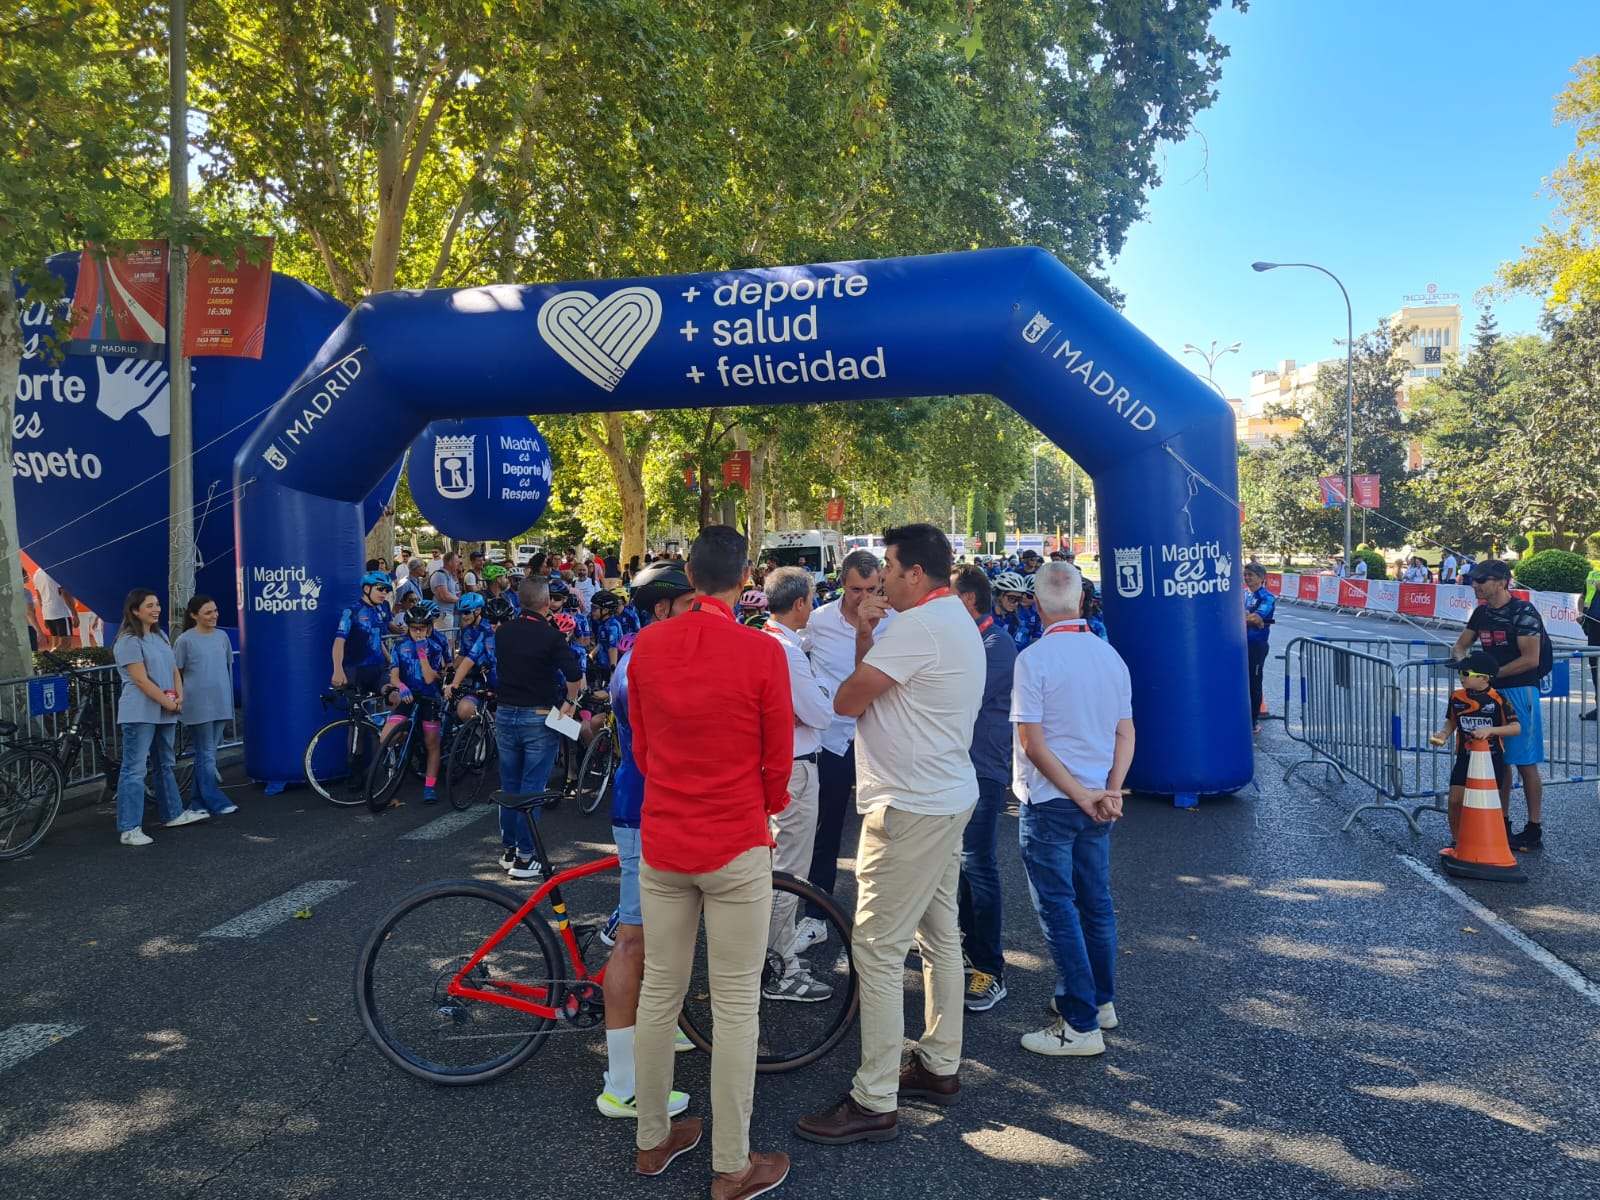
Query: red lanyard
[(933, 595), (1068, 627), (983, 625)]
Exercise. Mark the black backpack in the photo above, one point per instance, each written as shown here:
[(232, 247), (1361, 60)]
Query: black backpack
[(1547, 650)]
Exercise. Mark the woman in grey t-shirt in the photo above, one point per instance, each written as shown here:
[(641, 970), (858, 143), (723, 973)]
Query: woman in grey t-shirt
[(152, 698), (205, 658)]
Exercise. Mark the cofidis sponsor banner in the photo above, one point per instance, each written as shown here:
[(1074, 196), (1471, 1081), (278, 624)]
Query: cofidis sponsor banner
[(1352, 593), (1308, 587), (1383, 595), (1416, 599), (1452, 602), (1328, 589), (1561, 613), (1277, 582)]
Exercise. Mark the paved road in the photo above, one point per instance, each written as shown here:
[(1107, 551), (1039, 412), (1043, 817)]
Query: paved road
[(1303, 1015)]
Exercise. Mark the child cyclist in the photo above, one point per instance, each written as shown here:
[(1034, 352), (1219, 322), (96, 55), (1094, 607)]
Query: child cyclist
[(421, 659), (475, 657), (1475, 710)]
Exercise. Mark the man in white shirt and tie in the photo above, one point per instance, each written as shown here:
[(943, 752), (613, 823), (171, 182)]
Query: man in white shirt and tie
[(790, 591)]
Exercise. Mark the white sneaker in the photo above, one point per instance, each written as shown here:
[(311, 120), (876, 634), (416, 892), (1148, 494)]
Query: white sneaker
[(136, 837), (808, 933), (1108, 1015), (188, 816), (228, 811), (1059, 1038), (617, 1106), (525, 868), (681, 1043)]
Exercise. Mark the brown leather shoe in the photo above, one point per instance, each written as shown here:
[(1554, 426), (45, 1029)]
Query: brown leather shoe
[(765, 1172), (919, 1083), (683, 1137), (847, 1121)]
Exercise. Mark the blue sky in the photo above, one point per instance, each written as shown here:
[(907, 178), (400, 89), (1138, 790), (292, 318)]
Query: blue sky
[(1397, 144)]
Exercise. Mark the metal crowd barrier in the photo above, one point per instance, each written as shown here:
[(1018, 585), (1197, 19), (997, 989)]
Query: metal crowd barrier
[(14, 708), (1365, 710)]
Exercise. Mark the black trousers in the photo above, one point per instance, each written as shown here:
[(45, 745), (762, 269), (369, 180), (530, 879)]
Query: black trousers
[(1592, 628), (836, 797), (1258, 666)]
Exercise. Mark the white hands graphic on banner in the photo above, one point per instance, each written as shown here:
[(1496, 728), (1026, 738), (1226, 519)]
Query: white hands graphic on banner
[(600, 338), (135, 385)]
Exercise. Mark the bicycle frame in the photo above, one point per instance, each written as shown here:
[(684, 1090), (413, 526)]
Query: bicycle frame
[(521, 996)]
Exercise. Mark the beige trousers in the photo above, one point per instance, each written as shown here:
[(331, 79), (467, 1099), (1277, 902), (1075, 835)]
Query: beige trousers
[(794, 830), (907, 869), (737, 902)]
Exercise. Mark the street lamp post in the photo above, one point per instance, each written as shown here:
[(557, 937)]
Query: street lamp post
[(1036, 449), (1211, 357), (1349, 386)]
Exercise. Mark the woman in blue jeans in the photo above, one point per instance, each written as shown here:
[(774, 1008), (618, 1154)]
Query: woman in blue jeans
[(205, 662), (147, 711)]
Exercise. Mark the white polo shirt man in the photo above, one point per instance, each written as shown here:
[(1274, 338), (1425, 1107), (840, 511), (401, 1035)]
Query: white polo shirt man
[(1077, 687)]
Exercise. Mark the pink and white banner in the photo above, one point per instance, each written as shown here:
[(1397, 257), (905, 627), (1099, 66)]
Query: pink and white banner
[(1444, 601)]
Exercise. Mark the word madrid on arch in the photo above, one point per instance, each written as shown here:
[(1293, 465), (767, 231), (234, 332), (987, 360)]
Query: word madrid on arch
[(1014, 323)]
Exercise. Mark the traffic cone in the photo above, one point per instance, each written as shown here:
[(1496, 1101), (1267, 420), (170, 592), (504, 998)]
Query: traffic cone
[(1481, 850)]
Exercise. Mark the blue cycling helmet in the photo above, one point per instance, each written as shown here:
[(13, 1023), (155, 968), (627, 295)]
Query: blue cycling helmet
[(470, 603), (558, 587), (376, 579), (423, 612)]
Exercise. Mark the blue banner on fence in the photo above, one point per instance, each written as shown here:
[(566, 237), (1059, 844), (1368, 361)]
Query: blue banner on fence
[(1558, 682), (47, 695)]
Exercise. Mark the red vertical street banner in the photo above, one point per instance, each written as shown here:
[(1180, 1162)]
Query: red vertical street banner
[(835, 510), (121, 303), (225, 312), (736, 469), (1365, 488), (689, 481)]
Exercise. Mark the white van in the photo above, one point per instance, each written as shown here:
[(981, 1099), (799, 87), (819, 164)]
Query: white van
[(817, 550)]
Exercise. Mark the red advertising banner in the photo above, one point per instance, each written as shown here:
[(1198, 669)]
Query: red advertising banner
[(225, 312), (736, 469), (1308, 588), (1416, 599), (121, 303), (1353, 593), (836, 509), (1275, 583), (1365, 487)]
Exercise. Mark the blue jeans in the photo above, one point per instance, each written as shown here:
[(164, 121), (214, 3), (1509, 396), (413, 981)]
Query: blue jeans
[(527, 753), (207, 793), (978, 896), (138, 740), (1068, 857)]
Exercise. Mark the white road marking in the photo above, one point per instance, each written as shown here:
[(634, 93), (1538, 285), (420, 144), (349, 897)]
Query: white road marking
[(264, 916), (444, 826), (22, 1042), (1567, 974)]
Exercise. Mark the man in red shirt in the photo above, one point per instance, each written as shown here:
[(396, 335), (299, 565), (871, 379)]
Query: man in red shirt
[(698, 681)]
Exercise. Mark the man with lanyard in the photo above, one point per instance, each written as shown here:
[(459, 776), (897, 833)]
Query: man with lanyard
[(1072, 705), (1590, 617), (359, 657), (534, 661), (979, 896), (1512, 631), (914, 695), (788, 596), (833, 654), (665, 591), (697, 681)]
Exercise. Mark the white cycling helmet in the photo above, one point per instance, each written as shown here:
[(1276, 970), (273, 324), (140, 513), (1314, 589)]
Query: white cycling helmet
[(1011, 581)]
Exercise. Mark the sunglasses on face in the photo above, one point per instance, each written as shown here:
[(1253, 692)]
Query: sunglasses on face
[(1474, 675), (385, 590)]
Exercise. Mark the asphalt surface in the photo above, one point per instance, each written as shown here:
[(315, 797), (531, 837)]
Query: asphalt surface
[(1303, 1014)]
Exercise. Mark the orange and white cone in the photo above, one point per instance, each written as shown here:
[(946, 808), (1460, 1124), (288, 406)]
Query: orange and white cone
[(1481, 850)]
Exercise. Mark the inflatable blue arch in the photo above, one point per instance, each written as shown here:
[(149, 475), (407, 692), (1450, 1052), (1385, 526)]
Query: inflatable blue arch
[(1014, 323)]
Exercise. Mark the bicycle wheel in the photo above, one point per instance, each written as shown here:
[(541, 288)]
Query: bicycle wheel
[(595, 774), (388, 769), (31, 784), (468, 765), (337, 758), (792, 1034), (414, 952)]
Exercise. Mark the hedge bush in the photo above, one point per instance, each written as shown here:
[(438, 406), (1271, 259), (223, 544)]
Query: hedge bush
[(1552, 571), (1540, 540), (1376, 567), (1591, 544)]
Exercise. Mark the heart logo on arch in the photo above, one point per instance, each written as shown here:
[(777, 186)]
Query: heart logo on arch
[(600, 338)]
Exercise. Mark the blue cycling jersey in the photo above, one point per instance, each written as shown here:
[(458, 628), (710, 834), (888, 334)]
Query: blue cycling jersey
[(628, 617), (608, 635), (477, 643), (362, 626), (1023, 625), (580, 626), (407, 657), (1265, 605), (627, 786)]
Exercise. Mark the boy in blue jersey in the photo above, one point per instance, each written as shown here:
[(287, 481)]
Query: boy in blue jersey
[(421, 660), (359, 656), (474, 653), (665, 589)]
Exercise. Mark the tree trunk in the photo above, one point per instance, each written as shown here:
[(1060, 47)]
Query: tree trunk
[(15, 661), (758, 495), (627, 472), (381, 541)]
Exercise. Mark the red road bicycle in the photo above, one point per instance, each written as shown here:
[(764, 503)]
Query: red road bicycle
[(461, 981)]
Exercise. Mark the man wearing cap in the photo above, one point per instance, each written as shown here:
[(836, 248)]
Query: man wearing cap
[(1512, 632)]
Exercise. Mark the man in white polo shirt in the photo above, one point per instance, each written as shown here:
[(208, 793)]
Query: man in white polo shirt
[(916, 694), (1072, 705)]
